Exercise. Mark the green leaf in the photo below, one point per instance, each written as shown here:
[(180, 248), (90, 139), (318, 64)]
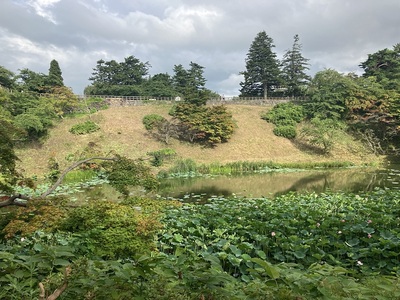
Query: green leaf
[(261, 254), (61, 262), (271, 271), (235, 250)]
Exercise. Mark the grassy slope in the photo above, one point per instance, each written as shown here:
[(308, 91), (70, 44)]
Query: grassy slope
[(122, 131)]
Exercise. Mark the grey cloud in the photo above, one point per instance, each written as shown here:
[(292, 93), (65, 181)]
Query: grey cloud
[(216, 34)]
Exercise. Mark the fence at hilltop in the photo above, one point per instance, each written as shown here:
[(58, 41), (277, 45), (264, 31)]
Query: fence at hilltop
[(142, 100)]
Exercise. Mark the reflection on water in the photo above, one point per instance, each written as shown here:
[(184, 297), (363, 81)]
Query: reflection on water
[(273, 184), (259, 185)]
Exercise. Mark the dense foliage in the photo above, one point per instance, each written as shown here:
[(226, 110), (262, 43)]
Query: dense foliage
[(332, 245), (130, 78), (84, 128), (285, 116), (294, 67), (209, 125)]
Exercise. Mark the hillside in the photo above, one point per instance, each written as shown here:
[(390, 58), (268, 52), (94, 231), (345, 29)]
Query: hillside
[(122, 131)]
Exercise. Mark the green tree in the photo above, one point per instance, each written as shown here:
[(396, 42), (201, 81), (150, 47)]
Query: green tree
[(55, 78), (374, 112), (32, 81), (385, 66), (190, 83), (202, 124), (8, 158), (322, 132), (294, 67), (7, 78), (327, 94), (159, 85), (132, 71), (118, 78), (262, 68)]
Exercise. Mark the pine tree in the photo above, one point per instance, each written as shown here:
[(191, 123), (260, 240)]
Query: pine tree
[(190, 84), (262, 67), (294, 66), (55, 75)]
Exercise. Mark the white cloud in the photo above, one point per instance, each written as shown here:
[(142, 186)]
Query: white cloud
[(42, 8)]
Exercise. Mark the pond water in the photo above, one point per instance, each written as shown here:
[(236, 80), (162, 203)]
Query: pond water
[(261, 185), (276, 183)]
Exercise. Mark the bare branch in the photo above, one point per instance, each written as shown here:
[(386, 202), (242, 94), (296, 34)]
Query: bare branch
[(13, 200), (70, 168)]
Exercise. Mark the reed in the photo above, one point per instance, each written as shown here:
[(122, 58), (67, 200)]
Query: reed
[(186, 166), (79, 176)]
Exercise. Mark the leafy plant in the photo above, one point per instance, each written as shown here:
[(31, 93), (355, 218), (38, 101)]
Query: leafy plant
[(322, 132), (84, 128), (201, 124), (287, 131), (152, 121), (160, 155), (284, 114)]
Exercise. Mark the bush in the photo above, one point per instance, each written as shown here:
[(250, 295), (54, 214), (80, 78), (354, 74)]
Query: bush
[(160, 155), (284, 114), (322, 132), (84, 128), (114, 230), (202, 124), (287, 131), (152, 121)]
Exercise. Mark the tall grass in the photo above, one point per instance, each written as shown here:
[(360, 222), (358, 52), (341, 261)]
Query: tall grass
[(185, 167), (79, 176)]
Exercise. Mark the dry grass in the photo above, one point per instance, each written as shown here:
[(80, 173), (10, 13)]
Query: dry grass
[(122, 131)]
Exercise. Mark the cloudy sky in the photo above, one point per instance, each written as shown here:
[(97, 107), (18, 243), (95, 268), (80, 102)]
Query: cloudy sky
[(216, 34)]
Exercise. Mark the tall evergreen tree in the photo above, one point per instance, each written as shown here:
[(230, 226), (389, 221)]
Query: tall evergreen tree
[(262, 67), (55, 75), (179, 79), (294, 67), (190, 84)]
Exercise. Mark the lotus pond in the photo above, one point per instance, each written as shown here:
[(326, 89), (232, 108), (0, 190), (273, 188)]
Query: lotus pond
[(200, 188)]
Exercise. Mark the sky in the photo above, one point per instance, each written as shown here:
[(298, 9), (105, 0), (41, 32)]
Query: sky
[(217, 34)]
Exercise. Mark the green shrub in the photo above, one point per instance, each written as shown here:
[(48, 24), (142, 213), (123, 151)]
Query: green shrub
[(160, 155), (287, 131), (323, 132), (114, 230), (84, 128), (152, 121), (284, 114), (202, 124)]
